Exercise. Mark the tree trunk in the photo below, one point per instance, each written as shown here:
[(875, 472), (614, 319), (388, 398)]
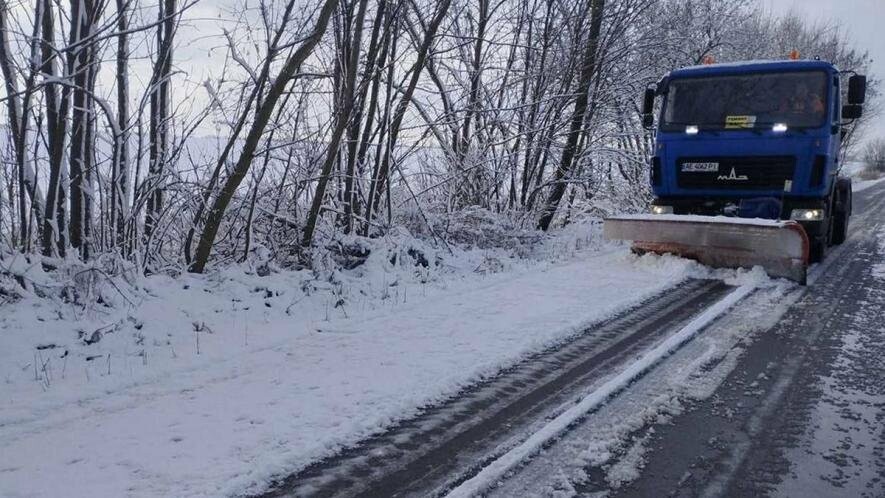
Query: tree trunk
[(570, 151), (341, 124), (353, 130), (222, 162), (120, 166), (82, 72), (380, 180), (262, 116), (54, 240), (18, 114), (159, 116), (475, 80)]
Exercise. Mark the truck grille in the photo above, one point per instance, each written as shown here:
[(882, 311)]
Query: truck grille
[(758, 173)]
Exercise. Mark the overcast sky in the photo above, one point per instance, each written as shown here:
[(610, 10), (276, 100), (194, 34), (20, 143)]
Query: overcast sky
[(864, 20)]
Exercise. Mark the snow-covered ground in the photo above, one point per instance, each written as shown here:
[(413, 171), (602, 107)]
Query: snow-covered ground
[(497, 469), (855, 169), (616, 438), (204, 386), (861, 185)]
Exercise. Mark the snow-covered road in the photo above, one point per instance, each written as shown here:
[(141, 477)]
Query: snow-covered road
[(782, 397), (290, 390), (444, 444), (775, 397), (251, 391)]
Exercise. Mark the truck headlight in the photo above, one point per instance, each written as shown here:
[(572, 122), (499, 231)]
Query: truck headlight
[(807, 214), (662, 210)]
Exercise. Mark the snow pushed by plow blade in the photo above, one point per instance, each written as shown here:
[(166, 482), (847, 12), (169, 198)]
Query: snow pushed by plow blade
[(781, 248)]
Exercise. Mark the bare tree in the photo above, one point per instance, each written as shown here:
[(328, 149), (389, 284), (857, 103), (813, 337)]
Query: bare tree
[(57, 97), (874, 156), (82, 71), (120, 161), (381, 177), (159, 115), (528, 108), (262, 116), (588, 71), (19, 116), (345, 106)]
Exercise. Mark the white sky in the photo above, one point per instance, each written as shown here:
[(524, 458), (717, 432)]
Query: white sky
[(863, 19)]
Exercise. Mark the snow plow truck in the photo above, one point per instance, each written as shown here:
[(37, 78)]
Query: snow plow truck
[(746, 165)]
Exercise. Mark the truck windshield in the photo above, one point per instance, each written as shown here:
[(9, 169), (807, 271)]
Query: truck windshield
[(796, 99)]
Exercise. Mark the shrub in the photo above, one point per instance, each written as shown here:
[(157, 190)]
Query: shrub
[(874, 156)]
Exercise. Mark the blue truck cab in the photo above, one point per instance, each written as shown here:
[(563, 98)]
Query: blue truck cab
[(758, 139)]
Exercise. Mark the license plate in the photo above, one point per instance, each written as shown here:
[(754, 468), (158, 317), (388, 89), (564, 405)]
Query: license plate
[(700, 167)]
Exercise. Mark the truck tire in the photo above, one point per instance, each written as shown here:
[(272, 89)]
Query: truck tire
[(820, 244), (842, 210), (818, 250), (840, 228)]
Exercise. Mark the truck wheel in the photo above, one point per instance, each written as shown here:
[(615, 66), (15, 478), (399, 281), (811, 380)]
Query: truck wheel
[(842, 211), (840, 228), (818, 250)]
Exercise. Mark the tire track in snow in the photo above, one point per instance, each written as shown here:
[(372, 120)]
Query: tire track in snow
[(729, 444), (421, 455), (513, 458)]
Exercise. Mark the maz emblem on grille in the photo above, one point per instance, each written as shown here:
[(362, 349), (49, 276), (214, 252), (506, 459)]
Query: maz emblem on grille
[(733, 176)]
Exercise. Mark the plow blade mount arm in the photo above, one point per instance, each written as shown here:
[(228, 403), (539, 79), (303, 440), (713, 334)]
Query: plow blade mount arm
[(781, 248)]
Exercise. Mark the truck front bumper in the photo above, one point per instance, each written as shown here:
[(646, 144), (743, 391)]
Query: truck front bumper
[(718, 206)]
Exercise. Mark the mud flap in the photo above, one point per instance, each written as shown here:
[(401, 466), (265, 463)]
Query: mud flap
[(781, 248)]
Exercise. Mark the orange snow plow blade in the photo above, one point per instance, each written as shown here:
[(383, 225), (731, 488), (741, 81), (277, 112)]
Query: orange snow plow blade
[(781, 248)]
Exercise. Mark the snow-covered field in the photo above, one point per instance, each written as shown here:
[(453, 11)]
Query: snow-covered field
[(855, 169), (861, 185), (204, 386)]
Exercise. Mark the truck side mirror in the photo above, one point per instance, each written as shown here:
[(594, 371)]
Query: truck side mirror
[(852, 111), (857, 89), (648, 107)]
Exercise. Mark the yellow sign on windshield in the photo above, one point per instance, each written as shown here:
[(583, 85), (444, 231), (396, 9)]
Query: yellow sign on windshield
[(733, 122)]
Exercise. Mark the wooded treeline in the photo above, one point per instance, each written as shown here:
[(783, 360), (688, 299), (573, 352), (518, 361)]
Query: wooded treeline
[(329, 119)]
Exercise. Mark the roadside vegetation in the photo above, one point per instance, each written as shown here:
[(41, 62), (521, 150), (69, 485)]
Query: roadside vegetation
[(874, 160), (286, 134)]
